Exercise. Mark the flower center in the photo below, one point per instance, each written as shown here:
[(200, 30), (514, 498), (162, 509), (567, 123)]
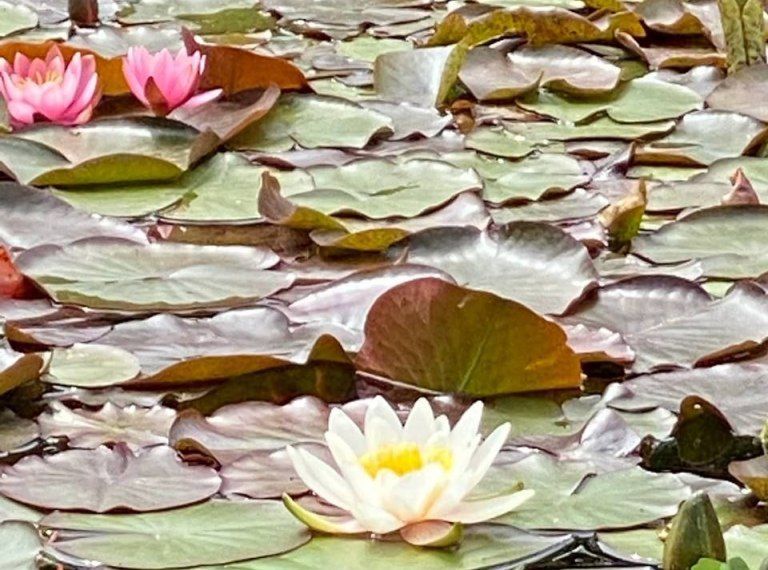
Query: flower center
[(402, 458), (39, 78)]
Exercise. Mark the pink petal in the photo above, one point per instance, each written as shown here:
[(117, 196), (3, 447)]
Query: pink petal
[(21, 64), (21, 113), (202, 99)]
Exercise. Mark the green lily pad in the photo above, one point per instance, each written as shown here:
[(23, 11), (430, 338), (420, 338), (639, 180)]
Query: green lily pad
[(750, 544), (311, 121), (124, 276), (368, 48), (91, 365), (638, 101), (381, 189), (113, 150), (729, 240), (482, 546), (21, 543), (568, 498), (15, 18), (215, 532)]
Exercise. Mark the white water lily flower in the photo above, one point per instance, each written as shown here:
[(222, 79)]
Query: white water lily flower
[(405, 478)]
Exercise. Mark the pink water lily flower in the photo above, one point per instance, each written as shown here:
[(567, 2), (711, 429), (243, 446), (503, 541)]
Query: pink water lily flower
[(163, 82), (50, 89)]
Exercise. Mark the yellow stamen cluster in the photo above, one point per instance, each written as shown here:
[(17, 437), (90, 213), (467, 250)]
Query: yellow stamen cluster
[(402, 458)]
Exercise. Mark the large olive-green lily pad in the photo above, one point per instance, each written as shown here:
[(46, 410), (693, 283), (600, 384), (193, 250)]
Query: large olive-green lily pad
[(537, 265), (15, 18), (578, 205), (312, 121), (702, 137), (215, 532), (21, 545), (110, 150), (729, 240), (382, 189), (483, 546), (224, 188), (126, 276), (638, 101), (439, 336), (570, 496), (633, 544), (368, 48), (498, 142)]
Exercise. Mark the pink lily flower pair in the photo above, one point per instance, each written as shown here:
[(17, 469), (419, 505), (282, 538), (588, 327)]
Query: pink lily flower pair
[(53, 90)]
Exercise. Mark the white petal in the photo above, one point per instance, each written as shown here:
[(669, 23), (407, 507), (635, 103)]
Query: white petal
[(321, 478), (463, 455), (488, 451), (411, 497), (470, 512), (379, 433), (420, 423), (380, 412), (375, 519), (343, 426), (442, 425), (467, 426), (362, 484)]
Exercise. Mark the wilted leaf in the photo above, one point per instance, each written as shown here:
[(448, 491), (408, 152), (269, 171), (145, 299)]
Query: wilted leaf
[(743, 24), (452, 348)]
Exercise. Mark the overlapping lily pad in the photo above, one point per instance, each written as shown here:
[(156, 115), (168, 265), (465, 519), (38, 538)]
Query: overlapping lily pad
[(103, 479), (125, 276)]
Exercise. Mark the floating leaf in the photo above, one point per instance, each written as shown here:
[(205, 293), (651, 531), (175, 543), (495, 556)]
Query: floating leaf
[(566, 69), (637, 101), (15, 18), (104, 479), (136, 427), (534, 264), (24, 210), (22, 546), (311, 122), (237, 430), (92, 365), (228, 344), (570, 496), (451, 348), (727, 239), (215, 532), (124, 276)]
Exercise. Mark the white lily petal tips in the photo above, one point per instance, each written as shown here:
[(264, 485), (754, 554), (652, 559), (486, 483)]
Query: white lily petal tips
[(391, 476)]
